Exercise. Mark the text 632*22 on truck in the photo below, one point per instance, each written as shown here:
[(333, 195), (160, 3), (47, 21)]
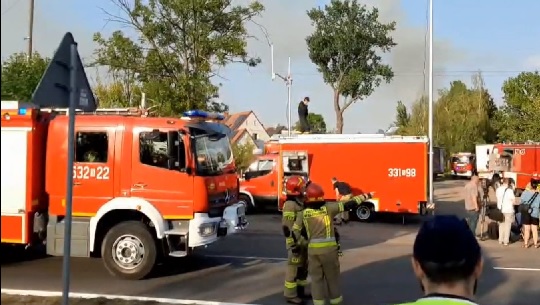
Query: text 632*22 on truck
[(394, 167), (143, 187)]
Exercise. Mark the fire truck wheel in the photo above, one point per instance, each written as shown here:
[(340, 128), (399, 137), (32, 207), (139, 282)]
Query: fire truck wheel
[(249, 205), (129, 250), (365, 212)]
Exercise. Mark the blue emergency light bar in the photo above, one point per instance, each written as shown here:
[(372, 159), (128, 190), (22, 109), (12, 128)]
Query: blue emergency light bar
[(199, 114)]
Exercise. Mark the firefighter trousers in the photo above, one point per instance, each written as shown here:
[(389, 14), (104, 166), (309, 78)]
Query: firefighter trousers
[(323, 268), (344, 216), (295, 274)]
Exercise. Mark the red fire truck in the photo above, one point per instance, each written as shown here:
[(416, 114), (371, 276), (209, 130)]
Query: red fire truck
[(142, 185), (395, 167)]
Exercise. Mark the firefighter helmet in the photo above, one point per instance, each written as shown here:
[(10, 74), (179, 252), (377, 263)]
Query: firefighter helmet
[(295, 185), (535, 176), (314, 193)]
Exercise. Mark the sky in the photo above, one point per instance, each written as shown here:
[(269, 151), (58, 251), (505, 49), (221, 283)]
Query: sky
[(501, 38)]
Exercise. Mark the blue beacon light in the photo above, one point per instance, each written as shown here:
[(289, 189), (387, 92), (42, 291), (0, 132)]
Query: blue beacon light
[(199, 114), (22, 111)]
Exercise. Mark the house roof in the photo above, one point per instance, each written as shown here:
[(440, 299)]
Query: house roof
[(237, 134), (234, 120)]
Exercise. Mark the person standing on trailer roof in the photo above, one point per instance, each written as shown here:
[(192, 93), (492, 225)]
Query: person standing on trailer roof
[(303, 113)]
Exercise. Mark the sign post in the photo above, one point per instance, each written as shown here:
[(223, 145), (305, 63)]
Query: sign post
[(65, 85)]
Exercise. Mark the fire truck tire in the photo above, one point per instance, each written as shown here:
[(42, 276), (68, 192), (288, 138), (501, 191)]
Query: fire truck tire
[(249, 204), (365, 212), (129, 250)]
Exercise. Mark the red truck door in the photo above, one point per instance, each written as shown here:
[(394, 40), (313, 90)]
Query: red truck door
[(171, 191), (93, 169)]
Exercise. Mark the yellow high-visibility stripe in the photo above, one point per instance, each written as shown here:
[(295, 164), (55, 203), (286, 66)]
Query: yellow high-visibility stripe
[(302, 282), (290, 285), (289, 214), (328, 226), (336, 301), (323, 245), (318, 302)]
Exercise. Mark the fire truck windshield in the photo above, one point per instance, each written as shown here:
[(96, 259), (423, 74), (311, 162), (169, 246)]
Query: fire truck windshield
[(213, 155)]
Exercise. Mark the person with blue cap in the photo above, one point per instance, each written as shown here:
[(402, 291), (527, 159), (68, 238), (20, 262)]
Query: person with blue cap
[(447, 260)]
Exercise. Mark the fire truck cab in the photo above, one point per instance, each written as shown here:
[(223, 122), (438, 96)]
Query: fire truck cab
[(463, 164), (142, 186)]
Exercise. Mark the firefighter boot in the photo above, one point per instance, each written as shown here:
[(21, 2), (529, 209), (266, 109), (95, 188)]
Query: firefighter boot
[(302, 293), (295, 301)]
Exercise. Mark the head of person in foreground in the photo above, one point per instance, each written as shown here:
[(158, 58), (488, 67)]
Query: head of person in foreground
[(447, 258)]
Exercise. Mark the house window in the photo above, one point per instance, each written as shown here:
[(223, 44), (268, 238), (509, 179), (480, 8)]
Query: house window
[(255, 137)]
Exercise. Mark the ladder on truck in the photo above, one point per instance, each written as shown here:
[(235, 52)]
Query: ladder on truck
[(322, 138), (129, 111)]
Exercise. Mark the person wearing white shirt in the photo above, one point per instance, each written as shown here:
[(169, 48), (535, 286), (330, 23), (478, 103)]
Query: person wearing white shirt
[(505, 203)]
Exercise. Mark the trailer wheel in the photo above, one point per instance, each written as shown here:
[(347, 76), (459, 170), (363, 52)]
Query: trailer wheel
[(365, 212), (129, 250)]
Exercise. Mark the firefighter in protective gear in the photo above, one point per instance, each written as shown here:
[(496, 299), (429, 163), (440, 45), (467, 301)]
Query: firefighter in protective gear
[(534, 179), (296, 273), (323, 249)]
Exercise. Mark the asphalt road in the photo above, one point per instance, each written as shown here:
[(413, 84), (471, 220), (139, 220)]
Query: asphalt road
[(248, 268)]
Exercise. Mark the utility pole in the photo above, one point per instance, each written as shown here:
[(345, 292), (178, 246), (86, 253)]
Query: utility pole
[(430, 106), (31, 29)]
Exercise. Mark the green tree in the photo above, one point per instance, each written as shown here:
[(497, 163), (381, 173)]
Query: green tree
[(117, 94), (243, 155), (462, 117), (178, 48), (518, 118), (346, 46), (21, 75), (316, 122), (402, 115)]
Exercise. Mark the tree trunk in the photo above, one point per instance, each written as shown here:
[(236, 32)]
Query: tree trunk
[(339, 122), (339, 113)]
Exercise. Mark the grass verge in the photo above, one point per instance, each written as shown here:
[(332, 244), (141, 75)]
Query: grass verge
[(33, 300)]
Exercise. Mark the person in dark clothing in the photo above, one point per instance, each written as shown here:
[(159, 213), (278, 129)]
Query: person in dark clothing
[(303, 115), (343, 193)]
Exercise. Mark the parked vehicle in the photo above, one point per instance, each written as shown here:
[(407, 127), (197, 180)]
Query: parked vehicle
[(463, 164), (143, 187), (395, 167)]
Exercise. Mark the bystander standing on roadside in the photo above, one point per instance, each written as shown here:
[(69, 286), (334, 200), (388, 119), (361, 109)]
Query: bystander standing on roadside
[(472, 196), (530, 213), (505, 203)]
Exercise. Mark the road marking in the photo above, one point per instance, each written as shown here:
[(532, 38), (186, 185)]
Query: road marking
[(43, 293), (517, 269), (247, 257)]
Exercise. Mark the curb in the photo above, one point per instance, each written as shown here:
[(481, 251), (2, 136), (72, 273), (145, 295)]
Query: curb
[(43, 293)]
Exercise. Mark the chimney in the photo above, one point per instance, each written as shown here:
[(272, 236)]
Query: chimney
[(226, 114)]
